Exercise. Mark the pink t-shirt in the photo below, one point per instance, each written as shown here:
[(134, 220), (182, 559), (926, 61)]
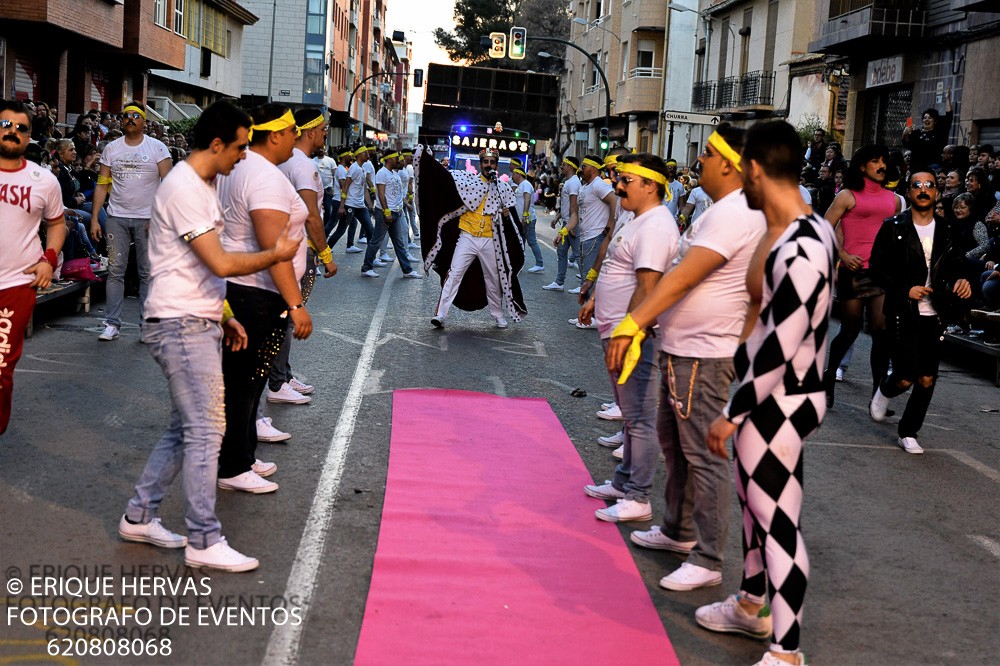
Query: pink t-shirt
[(873, 205), (28, 195)]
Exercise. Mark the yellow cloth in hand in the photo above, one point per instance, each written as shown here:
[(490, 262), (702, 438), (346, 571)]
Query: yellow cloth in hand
[(629, 329)]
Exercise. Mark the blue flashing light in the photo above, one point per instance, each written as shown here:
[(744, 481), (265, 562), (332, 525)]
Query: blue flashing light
[(463, 128)]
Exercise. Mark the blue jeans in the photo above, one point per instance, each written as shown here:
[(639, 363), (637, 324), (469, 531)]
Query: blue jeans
[(637, 400), (562, 252), (352, 217), (328, 208), (411, 218), (189, 351), (122, 232), (532, 240), (589, 250), (396, 234), (102, 217)]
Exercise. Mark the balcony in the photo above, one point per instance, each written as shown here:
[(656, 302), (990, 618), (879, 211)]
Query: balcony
[(641, 91), (974, 5), (354, 16), (870, 28), (376, 59), (749, 91), (643, 15), (376, 23)]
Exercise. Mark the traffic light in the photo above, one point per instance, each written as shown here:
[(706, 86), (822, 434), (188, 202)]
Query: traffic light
[(498, 45), (605, 140), (517, 39), (418, 78)]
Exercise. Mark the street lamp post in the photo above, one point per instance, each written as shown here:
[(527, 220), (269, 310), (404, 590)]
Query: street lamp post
[(597, 66)]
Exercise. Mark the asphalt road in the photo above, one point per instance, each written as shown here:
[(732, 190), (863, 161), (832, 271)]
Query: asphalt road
[(904, 550)]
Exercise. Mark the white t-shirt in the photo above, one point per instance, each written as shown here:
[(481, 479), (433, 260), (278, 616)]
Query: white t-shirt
[(256, 184), (926, 235), (326, 165), (701, 202), (28, 196), (570, 188), (134, 175), (303, 174), (593, 211), (409, 175), (648, 241), (707, 322), (356, 192), (180, 284), (808, 198), (393, 189), (369, 171), (339, 176), (519, 192), (676, 188)]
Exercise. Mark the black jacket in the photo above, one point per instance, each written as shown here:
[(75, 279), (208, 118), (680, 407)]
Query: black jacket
[(897, 264)]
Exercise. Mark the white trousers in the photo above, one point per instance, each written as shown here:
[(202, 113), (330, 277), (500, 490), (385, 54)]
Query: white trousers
[(470, 247)]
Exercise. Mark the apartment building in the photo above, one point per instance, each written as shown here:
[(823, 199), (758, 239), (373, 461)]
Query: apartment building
[(83, 54), (903, 56)]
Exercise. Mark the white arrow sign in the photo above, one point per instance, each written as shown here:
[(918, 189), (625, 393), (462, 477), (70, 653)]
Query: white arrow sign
[(691, 118)]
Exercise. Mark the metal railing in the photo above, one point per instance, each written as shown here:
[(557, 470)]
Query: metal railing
[(841, 7), (592, 89), (757, 88), (751, 89), (703, 96), (646, 73), (729, 92)]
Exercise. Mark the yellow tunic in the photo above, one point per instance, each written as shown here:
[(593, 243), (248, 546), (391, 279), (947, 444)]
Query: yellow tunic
[(477, 222)]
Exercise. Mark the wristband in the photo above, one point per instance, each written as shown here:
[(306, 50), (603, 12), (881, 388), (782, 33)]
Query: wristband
[(592, 275), (312, 246), (51, 258), (326, 256), (564, 232), (629, 329), (295, 307), (227, 312)]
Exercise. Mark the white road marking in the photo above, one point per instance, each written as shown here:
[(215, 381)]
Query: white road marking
[(497, 386), (845, 445), (960, 456), (340, 336), (283, 646), (519, 348), (442, 341), (991, 546)]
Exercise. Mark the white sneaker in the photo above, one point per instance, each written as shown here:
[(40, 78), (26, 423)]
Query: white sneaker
[(354, 249), (608, 405), (152, 532), (770, 660), (301, 387), (263, 469), (624, 511), (841, 371), (909, 444), (502, 323), (572, 264), (586, 327), (287, 395), (655, 539), (619, 453), (362, 241), (268, 433), (574, 290), (110, 333), (249, 482), (536, 269), (369, 273), (386, 257), (690, 577), (878, 406), (605, 491), (612, 441), (378, 263), (414, 244), (413, 275), (611, 414), (219, 556), (727, 616), (574, 321), (555, 286)]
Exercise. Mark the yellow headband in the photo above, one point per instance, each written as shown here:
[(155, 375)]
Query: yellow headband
[(406, 153), (610, 161), (521, 171), (362, 149), (136, 109), (727, 152), (389, 157), (671, 162), (315, 122), (276, 125), (589, 162), (629, 167), (347, 153), (516, 162), (570, 162)]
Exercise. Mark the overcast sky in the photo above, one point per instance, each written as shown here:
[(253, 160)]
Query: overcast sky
[(418, 20)]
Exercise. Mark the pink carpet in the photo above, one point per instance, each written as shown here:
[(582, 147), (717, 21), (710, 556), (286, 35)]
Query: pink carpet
[(489, 552)]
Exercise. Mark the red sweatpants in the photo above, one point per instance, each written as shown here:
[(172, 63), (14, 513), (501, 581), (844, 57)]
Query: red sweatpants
[(16, 305)]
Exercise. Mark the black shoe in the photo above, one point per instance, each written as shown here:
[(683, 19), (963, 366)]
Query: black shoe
[(438, 322)]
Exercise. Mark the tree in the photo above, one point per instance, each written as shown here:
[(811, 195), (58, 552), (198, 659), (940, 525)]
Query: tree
[(475, 19)]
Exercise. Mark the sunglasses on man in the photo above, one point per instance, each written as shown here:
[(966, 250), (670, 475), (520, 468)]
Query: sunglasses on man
[(20, 127)]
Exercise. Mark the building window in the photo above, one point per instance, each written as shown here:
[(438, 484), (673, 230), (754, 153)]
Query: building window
[(194, 23), (625, 59), (644, 53), (213, 35), (315, 69), (160, 12), (179, 17)]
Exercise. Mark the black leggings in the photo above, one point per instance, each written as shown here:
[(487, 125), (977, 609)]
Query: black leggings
[(851, 312)]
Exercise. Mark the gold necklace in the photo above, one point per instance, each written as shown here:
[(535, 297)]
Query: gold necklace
[(672, 386)]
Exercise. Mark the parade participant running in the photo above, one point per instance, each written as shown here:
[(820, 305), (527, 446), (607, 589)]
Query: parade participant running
[(30, 196), (185, 306), (259, 202), (779, 397), (134, 164), (700, 306), (921, 269), (857, 214), (470, 237), (637, 257)]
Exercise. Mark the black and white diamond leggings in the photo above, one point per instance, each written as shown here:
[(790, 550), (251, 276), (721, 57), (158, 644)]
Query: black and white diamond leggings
[(768, 448)]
